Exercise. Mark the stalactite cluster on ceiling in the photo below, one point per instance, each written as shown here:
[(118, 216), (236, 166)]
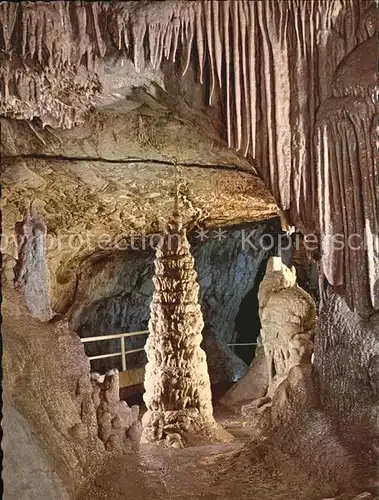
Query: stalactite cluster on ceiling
[(273, 62)]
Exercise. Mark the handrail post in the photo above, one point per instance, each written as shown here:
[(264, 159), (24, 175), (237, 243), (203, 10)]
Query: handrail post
[(123, 359)]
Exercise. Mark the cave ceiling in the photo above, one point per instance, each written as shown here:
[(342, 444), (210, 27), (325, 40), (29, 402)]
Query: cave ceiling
[(110, 171)]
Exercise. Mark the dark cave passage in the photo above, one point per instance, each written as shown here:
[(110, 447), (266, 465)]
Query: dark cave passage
[(247, 322)]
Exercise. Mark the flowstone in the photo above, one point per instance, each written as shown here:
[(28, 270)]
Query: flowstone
[(178, 393)]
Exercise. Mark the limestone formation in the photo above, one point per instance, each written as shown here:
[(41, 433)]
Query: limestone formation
[(114, 295), (31, 273), (178, 394), (118, 423), (288, 316)]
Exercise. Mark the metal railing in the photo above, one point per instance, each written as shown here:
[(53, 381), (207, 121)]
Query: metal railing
[(123, 351), (247, 343)]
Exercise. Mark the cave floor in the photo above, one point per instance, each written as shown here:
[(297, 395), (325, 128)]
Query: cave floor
[(201, 472), (157, 473)]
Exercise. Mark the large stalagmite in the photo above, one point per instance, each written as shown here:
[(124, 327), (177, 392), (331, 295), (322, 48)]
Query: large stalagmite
[(288, 316), (178, 393)]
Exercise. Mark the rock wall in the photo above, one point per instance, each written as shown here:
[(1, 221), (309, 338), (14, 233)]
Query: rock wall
[(46, 377), (256, 100), (346, 360), (288, 318)]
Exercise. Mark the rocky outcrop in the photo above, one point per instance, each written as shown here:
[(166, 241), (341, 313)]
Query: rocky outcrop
[(178, 394), (47, 382), (118, 424), (348, 217), (294, 433), (288, 316)]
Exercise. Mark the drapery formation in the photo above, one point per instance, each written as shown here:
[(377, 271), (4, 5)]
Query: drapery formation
[(347, 180), (348, 201), (273, 62)]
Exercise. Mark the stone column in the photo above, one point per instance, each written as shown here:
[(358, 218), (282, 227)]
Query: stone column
[(178, 393)]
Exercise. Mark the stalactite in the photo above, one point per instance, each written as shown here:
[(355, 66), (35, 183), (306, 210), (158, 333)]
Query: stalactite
[(176, 28), (252, 75), (99, 39), (8, 17), (237, 76), (189, 35), (200, 38), (161, 45), (122, 32), (246, 110), (32, 35), (209, 31), (153, 38), (267, 108), (226, 8), (39, 36), (139, 27)]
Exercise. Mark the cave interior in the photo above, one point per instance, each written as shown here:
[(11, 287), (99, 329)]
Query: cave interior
[(196, 183)]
